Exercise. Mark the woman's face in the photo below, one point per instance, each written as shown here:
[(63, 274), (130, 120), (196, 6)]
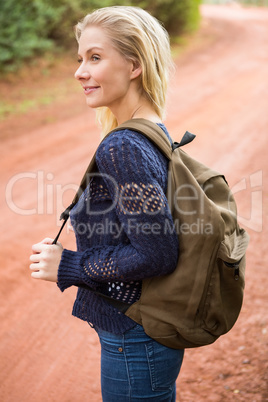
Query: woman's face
[(104, 74)]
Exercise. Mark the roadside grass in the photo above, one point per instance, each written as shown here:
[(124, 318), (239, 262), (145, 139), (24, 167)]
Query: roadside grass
[(37, 84), (26, 101)]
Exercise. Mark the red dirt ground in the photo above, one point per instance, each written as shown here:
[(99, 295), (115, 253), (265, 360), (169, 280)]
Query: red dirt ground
[(220, 92)]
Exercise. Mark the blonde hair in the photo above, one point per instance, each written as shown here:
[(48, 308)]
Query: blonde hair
[(139, 37)]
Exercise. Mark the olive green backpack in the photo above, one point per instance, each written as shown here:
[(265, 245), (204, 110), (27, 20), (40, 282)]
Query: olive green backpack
[(202, 298)]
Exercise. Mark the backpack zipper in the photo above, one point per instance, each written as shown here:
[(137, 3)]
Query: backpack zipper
[(235, 266)]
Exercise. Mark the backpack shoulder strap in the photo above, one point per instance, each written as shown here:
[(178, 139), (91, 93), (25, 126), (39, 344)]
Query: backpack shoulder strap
[(150, 130), (155, 134), (83, 185)]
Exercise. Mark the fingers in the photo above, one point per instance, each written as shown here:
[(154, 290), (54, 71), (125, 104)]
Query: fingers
[(45, 260), (36, 275), (49, 241), (39, 274), (39, 247), (35, 258), (36, 262), (38, 270)]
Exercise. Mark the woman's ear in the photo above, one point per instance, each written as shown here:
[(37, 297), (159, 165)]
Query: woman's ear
[(136, 69)]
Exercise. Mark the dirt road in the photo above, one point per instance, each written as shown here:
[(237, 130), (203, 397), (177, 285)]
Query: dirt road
[(220, 92)]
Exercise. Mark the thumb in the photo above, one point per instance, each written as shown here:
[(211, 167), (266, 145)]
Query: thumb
[(47, 240), (50, 241)]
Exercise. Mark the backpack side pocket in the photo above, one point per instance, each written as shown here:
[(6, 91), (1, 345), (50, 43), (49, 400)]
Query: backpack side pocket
[(226, 286)]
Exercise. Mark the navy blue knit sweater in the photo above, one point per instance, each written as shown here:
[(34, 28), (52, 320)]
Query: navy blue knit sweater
[(122, 224)]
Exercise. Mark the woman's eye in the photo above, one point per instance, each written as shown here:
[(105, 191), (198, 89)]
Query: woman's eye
[(94, 57)]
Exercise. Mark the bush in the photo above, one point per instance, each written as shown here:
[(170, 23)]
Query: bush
[(22, 32), (178, 16), (32, 27)]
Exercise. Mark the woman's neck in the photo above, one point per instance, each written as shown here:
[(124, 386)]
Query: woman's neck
[(141, 111), (133, 106)]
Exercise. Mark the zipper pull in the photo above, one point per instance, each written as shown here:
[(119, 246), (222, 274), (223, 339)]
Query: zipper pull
[(235, 267), (236, 272)]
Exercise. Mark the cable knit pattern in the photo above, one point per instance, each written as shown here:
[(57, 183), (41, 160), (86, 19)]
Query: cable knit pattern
[(123, 229)]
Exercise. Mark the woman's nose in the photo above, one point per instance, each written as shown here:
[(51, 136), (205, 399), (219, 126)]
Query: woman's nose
[(82, 72)]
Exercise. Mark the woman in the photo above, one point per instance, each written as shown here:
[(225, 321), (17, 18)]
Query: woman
[(125, 60)]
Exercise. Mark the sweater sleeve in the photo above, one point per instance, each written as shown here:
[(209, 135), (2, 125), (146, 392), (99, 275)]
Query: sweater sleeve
[(128, 163)]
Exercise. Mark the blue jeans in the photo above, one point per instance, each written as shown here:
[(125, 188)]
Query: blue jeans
[(134, 367)]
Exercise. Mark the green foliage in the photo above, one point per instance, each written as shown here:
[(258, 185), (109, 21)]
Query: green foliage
[(29, 28), (255, 3), (21, 32), (178, 16)]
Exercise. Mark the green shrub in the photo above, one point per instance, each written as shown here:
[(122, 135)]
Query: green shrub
[(178, 16), (22, 32)]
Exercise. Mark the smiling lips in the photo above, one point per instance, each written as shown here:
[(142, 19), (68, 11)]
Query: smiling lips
[(89, 90)]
